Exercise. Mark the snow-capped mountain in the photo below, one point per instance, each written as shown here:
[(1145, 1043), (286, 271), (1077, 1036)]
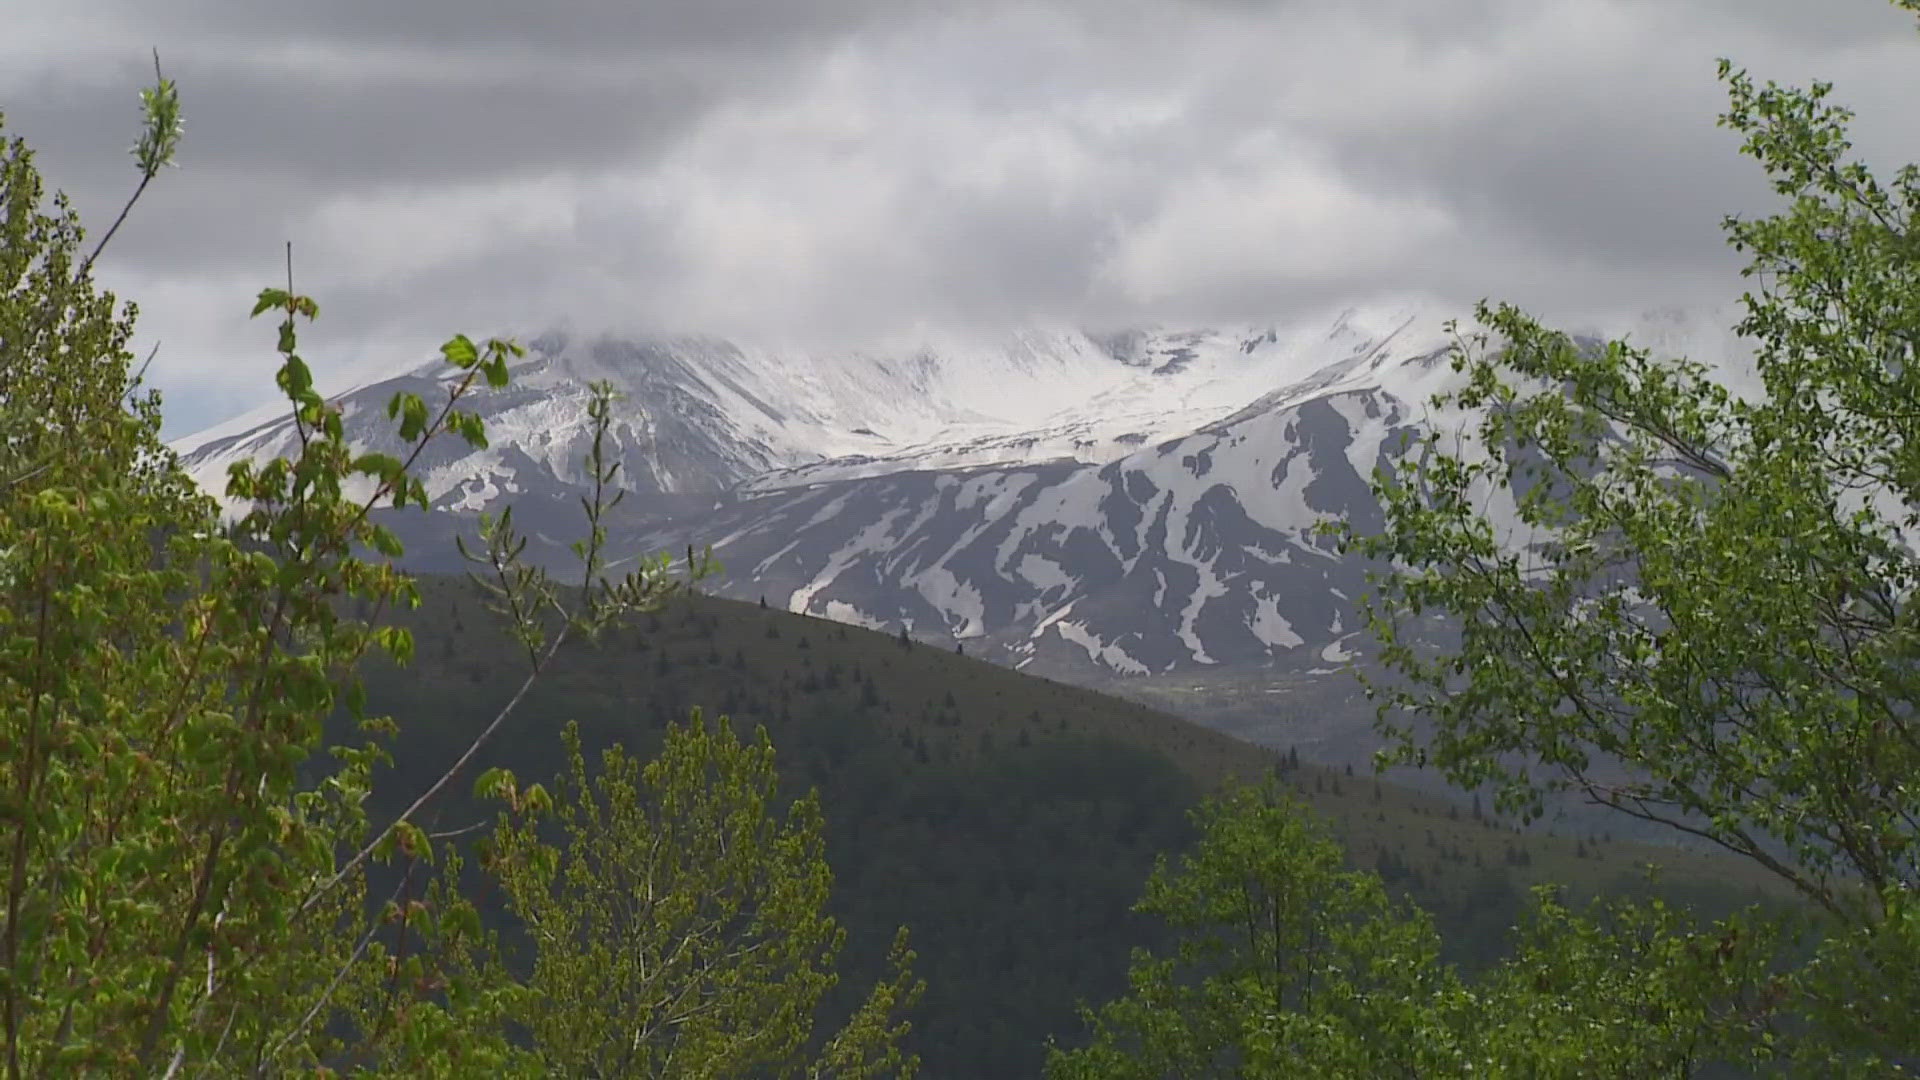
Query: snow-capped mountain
[(1137, 503), (703, 415)]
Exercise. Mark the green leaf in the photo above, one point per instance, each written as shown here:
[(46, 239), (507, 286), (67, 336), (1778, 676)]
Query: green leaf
[(413, 421), (384, 466), (382, 540), (269, 298), (496, 782), (294, 377), (535, 800), (459, 351)]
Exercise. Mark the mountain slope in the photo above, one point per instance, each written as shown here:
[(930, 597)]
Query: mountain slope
[(1133, 504), (1197, 551)]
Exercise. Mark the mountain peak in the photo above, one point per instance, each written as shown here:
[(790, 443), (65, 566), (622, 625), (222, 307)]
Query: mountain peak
[(705, 414), (1125, 502)]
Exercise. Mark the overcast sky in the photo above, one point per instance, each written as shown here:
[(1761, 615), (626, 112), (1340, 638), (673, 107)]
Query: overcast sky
[(844, 171)]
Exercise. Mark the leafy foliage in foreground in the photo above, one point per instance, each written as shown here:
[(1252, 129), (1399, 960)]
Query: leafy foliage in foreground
[(1715, 628), (681, 927), (1702, 616), (1288, 964), (186, 858), (1283, 940)]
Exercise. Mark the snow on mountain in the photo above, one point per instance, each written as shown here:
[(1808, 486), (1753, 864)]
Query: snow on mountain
[(1135, 503), (1198, 551), (706, 415)]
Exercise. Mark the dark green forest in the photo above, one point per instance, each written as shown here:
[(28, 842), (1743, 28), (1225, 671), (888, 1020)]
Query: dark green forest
[(1009, 821)]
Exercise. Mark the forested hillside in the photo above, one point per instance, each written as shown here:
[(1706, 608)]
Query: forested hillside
[(1010, 822)]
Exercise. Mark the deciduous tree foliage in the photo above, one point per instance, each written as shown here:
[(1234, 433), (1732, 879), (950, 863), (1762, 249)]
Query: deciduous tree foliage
[(680, 929), (1715, 627), (183, 864), (1289, 965), (174, 898), (1700, 613)]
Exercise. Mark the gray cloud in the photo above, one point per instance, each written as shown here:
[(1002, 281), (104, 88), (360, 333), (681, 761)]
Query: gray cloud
[(846, 170)]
